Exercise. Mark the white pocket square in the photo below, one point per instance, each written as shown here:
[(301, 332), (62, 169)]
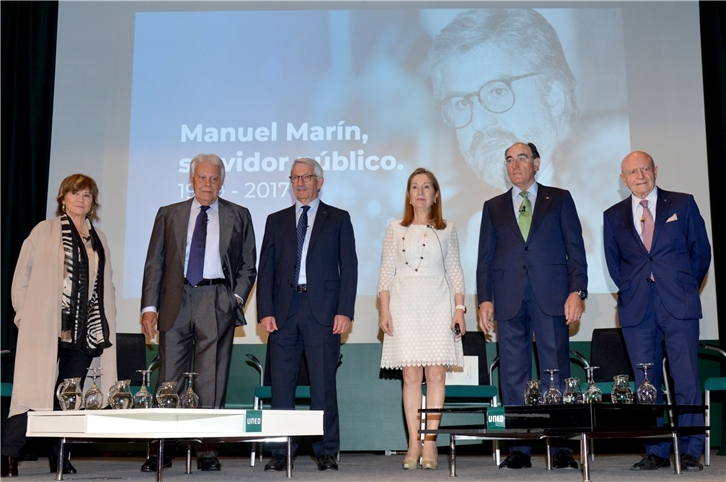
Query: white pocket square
[(672, 218)]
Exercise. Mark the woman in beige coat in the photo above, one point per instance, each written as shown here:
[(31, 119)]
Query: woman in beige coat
[(64, 301)]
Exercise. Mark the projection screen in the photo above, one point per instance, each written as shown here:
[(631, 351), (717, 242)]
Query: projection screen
[(143, 87)]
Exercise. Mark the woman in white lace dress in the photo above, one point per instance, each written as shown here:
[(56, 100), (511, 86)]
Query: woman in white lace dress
[(421, 289)]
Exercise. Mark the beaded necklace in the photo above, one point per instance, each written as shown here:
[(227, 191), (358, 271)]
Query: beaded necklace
[(423, 246)]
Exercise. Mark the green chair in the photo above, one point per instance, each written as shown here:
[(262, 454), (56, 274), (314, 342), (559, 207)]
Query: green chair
[(130, 357), (711, 384), (6, 388)]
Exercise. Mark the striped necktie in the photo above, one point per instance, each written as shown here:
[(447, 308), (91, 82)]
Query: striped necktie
[(302, 226)]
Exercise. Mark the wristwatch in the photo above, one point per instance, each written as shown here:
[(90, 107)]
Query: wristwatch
[(582, 294), (461, 307)]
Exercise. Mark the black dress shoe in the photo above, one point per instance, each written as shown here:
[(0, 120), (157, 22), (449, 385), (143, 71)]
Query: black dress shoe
[(209, 464), (9, 466), (150, 464), (563, 460), (278, 463), (326, 462), (689, 463), (516, 460), (651, 462), (67, 467)]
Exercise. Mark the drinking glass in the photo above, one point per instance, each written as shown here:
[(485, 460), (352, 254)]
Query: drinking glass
[(143, 398), (552, 396), (119, 395), (93, 398), (573, 393), (166, 396), (189, 399), (593, 394), (621, 393), (69, 394), (532, 394), (647, 393)]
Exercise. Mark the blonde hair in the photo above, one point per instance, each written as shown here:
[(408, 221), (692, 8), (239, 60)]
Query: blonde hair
[(436, 217)]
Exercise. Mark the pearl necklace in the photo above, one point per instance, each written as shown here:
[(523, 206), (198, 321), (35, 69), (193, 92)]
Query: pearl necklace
[(423, 246)]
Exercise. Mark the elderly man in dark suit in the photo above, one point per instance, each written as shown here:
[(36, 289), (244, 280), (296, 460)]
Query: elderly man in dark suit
[(199, 271), (305, 299), (531, 277), (657, 253)]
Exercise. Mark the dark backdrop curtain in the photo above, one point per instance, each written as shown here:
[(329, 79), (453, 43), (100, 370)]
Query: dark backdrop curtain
[(28, 73), (713, 56)]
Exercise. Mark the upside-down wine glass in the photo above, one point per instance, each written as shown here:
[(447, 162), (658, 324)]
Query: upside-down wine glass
[(593, 394), (143, 399), (189, 399), (552, 396), (93, 398), (647, 393)]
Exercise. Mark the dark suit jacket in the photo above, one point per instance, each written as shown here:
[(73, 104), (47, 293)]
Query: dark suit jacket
[(679, 257), (331, 265), (553, 255), (163, 285)]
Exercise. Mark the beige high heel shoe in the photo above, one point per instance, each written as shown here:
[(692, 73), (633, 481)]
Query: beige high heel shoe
[(430, 464), (411, 463)]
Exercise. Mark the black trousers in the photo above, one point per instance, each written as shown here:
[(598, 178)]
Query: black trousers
[(302, 333), (71, 364)]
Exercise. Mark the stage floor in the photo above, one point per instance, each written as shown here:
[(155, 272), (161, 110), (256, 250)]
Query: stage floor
[(369, 467)]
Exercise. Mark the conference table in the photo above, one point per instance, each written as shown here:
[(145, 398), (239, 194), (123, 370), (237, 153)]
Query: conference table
[(189, 425), (584, 422)]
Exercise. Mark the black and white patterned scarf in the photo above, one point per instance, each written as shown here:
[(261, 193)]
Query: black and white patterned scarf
[(83, 321)]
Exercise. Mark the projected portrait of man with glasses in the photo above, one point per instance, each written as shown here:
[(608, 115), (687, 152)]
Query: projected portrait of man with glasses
[(500, 76)]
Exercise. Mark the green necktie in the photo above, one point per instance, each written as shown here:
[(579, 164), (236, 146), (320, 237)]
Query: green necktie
[(525, 214)]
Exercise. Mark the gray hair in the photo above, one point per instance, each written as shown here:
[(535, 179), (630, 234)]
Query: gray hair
[(212, 159), (523, 32), (317, 168)]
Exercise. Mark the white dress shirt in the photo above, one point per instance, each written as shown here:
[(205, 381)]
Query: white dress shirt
[(314, 204), (212, 259)]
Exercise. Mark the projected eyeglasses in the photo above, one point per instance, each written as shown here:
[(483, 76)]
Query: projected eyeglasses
[(496, 96)]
